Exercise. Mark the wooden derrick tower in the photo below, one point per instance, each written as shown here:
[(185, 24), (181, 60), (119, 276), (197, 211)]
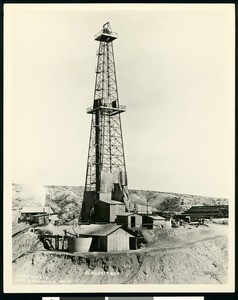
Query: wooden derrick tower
[(106, 177)]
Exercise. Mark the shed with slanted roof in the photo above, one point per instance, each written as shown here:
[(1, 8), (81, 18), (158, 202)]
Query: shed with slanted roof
[(109, 237), (37, 214), (107, 210), (129, 219), (154, 222)]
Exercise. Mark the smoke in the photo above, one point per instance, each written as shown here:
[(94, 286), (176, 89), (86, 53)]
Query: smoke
[(33, 188), (36, 192)]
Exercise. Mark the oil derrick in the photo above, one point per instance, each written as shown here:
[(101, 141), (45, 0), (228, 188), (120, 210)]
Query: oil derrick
[(106, 178)]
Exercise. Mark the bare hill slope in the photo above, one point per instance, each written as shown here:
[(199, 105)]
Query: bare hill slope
[(67, 200), (189, 256)]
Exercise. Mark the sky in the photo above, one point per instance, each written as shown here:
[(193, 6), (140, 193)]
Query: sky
[(175, 73)]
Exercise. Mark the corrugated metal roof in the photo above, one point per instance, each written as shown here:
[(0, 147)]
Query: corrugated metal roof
[(98, 229), (37, 209)]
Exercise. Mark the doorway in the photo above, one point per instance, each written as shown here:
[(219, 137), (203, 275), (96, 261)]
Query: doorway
[(133, 221)]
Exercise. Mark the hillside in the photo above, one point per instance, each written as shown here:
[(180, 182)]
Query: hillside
[(66, 201), (174, 201)]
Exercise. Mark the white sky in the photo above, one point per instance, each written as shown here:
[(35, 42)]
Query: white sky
[(175, 72)]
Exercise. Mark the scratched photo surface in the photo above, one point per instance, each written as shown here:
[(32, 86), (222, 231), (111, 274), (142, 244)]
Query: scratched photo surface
[(119, 147)]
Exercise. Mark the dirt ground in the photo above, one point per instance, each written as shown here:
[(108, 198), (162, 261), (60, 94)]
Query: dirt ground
[(182, 236), (184, 255)]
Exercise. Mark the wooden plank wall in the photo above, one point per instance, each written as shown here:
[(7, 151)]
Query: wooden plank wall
[(118, 241)]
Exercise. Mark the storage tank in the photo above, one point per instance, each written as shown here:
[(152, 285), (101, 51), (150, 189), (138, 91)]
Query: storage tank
[(123, 178), (79, 244)]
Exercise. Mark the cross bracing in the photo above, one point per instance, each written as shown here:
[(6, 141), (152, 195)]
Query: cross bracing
[(106, 151)]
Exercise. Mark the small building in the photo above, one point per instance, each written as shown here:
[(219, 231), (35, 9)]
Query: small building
[(154, 222), (45, 218), (107, 210), (36, 214), (107, 237), (129, 219)]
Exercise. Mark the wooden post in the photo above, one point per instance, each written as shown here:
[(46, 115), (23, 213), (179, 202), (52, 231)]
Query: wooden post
[(56, 242)]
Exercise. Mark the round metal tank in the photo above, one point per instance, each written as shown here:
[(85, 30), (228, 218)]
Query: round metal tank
[(79, 244)]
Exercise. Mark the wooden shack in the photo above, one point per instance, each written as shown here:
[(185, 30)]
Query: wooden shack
[(44, 219), (109, 237), (36, 214), (154, 222), (107, 210), (129, 219)]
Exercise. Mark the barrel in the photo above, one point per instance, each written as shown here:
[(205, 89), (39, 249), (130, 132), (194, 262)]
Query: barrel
[(79, 244)]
